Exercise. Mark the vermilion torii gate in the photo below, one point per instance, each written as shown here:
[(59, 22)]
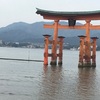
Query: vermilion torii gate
[(85, 54)]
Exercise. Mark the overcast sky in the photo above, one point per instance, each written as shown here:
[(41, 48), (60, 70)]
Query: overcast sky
[(25, 10)]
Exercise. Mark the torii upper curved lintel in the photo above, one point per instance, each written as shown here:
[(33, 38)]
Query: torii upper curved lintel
[(59, 15)]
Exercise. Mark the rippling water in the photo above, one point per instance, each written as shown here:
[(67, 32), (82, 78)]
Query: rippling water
[(20, 80)]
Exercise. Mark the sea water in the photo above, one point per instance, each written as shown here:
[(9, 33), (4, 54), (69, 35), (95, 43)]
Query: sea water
[(25, 80)]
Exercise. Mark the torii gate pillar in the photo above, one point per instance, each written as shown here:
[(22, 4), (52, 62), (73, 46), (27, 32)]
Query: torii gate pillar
[(60, 55), (46, 49), (81, 51), (87, 44), (93, 54), (54, 45)]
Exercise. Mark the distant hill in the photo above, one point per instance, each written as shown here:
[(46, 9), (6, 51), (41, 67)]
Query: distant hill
[(24, 32)]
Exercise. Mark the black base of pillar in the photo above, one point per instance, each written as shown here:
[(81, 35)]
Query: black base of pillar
[(53, 63), (93, 64), (60, 63), (86, 65)]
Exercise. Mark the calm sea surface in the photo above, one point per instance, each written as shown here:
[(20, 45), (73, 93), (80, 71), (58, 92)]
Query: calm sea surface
[(23, 80)]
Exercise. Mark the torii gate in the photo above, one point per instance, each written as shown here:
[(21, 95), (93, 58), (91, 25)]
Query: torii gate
[(85, 54)]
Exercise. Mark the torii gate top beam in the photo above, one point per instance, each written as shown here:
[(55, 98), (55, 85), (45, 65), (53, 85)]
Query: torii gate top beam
[(58, 15)]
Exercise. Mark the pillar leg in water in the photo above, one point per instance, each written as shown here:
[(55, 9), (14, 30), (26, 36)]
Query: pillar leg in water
[(81, 51), (60, 55), (87, 45), (46, 49), (94, 51), (54, 44), (87, 54)]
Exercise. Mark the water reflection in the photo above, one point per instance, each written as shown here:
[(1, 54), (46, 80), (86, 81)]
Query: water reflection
[(51, 82), (58, 86), (86, 83)]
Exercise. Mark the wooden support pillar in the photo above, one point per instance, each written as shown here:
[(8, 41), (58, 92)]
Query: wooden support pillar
[(88, 30), (87, 45), (46, 49), (81, 51), (54, 45), (93, 56), (61, 38)]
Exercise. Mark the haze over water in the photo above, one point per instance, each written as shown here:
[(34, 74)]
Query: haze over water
[(22, 80)]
